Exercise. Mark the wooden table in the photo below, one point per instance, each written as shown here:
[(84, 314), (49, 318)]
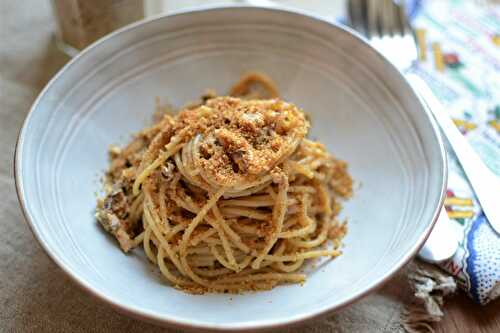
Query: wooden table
[(36, 296)]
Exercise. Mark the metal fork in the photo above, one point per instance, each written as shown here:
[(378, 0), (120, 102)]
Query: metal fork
[(385, 25)]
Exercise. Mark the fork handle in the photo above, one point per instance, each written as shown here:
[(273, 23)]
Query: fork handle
[(485, 183)]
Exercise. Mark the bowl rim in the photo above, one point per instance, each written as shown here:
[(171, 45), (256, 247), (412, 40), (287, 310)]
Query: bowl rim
[(170, 321)]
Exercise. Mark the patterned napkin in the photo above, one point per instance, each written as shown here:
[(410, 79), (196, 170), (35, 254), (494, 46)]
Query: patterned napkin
[(462, 67)]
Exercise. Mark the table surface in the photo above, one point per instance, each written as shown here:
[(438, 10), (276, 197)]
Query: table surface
[(35, 295)]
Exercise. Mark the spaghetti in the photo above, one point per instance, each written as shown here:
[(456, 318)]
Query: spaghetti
[(228, 195)]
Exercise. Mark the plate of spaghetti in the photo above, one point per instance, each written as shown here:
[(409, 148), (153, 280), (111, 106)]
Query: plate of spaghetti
[(227, 195), (230, 168)]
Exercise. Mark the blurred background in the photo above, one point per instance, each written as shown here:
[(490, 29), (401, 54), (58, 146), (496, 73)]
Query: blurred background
[(81, 22)]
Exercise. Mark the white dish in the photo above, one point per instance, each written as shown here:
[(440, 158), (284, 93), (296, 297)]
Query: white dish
[(361, 108)]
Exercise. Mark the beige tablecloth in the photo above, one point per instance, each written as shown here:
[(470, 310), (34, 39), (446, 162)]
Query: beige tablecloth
[(35, 295)]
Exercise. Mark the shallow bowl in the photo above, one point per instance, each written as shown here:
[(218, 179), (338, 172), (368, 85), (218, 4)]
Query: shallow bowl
[(361, 107)]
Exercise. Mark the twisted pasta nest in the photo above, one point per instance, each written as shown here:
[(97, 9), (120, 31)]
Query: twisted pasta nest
[(228, 195)]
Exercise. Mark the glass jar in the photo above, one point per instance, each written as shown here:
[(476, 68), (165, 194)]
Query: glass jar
[(81, 22)]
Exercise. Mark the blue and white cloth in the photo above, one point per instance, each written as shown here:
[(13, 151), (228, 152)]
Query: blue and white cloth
[(469, 87)]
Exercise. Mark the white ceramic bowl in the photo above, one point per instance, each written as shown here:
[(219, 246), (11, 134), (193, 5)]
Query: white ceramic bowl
[(361, 108)]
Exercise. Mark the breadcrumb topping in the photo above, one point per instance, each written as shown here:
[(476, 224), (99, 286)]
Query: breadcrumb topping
[(243, 138)]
